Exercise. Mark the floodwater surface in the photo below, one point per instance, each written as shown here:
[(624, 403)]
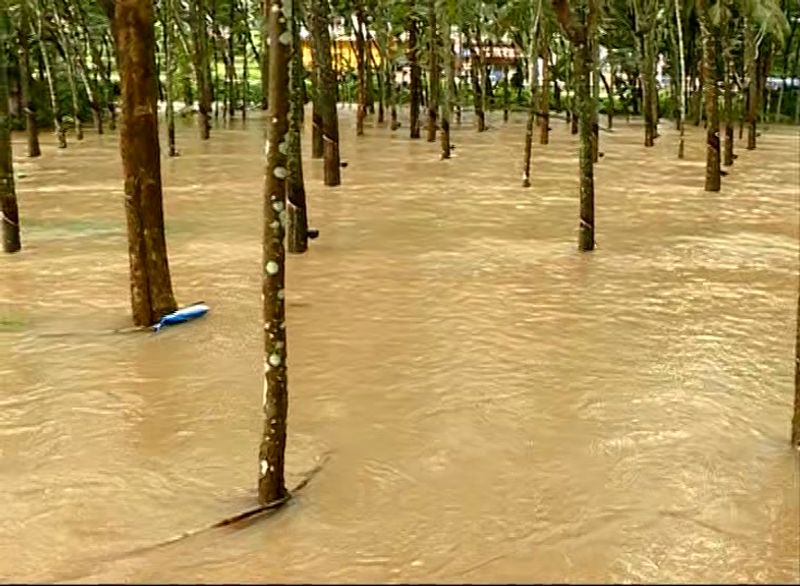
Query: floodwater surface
[(497, 406)]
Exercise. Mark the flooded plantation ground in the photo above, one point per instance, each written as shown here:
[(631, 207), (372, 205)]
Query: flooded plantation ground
[(498, 406)]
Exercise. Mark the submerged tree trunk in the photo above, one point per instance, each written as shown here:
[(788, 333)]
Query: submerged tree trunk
[(682, 83), (317, 146), (447, 104), (318, 18), (169, 65), (506, 94), (8, 196), (361, 64), (271, 483), (796, 418), (415, 85), (712, 113), (532, 40), (649, 86), (60, 132), (200, 57), (729, 113), (477, 91), (583, 67), (297, 221), (751, 65), (435, 83), (151, 288), (31, 128), (581, 36), (544, 109)]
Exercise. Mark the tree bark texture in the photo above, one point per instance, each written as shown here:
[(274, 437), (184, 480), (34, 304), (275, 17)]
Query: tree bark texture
[(151, 288), (271, 483), (712, 111)]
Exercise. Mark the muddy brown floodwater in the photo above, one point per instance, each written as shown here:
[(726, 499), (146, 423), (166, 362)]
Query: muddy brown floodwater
[(498, 406)]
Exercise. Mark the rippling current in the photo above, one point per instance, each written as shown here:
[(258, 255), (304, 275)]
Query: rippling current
[(498, 406)]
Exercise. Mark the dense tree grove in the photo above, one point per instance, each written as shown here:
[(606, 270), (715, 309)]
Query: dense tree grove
[(66, 65)]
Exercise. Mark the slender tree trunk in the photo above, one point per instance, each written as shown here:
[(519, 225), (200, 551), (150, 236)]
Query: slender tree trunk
[(712, 114), (319, 16), (231, 62), (271, 483), (59, 129), (477, 91), (595, 89), (682, 84), (447, 105), (796, 418), (264, 62), (415, 84), (31, 128), (506, 94), (200, 55), (8, 196), (610, 91), (751, 64), (532, 55), (151, 288), (391, 93), (110, 93), (649, 85), (169, 65), (361, 64), (583, 67), (435, 83), (245, 37), (729, 113), (544, 108), (581, 35), (69, 63), (317, 144), (297, 226)]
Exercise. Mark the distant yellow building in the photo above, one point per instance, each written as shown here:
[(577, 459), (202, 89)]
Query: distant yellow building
[(343, 51)]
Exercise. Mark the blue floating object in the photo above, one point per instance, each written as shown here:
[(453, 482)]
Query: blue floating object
[(182, 315)]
